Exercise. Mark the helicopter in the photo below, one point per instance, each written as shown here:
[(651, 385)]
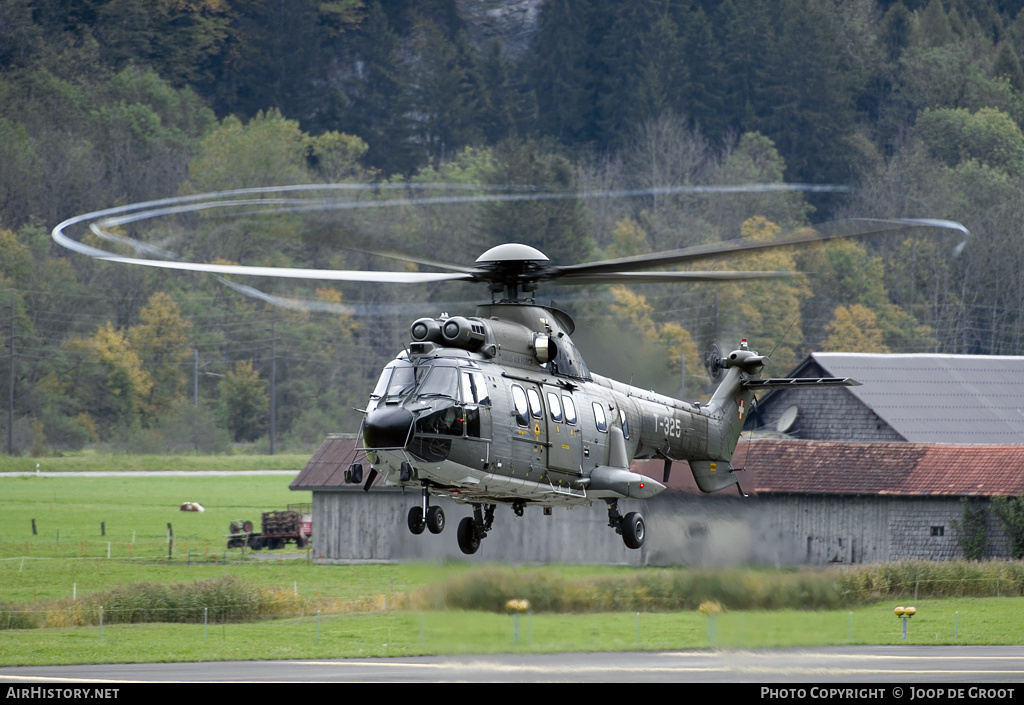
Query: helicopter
[(500, 408)]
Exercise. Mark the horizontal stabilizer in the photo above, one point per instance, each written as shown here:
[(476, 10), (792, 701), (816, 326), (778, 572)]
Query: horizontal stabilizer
[(793, 382)]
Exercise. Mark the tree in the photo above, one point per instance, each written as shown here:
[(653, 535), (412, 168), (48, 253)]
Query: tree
[(765, 311), (162, 342), (988, 136), (445, 96), (109, 382), (277, 60), (970, 529), (566, 66), (555, 227), (854, 329), (243, 402), (379, 100), (269, 150), (648, 72), (1010, 514)]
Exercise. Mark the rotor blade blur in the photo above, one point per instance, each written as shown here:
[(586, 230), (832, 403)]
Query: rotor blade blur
[(857, 227), (662, 277), (297, 273)]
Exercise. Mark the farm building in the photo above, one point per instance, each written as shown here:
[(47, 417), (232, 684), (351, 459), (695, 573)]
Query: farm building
[(920, 398), (807, 503)]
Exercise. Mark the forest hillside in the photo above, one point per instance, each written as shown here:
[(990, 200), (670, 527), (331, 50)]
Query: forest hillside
[(906, 109)]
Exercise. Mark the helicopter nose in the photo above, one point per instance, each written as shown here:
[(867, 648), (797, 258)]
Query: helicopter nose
[(387, 427)]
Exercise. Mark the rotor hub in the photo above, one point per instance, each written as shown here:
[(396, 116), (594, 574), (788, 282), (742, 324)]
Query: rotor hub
[(512, 269)]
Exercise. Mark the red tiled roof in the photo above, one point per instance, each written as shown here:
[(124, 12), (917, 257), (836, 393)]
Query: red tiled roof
[(833, 467)]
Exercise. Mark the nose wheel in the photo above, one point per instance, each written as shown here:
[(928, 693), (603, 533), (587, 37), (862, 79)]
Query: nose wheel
[(426, 516)]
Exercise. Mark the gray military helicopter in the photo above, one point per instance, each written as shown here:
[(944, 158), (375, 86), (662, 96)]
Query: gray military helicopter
[(500, 408)]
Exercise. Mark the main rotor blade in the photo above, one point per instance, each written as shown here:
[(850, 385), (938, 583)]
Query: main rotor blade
[(662, 277), (410, 259), (856, 227), (348, 275)]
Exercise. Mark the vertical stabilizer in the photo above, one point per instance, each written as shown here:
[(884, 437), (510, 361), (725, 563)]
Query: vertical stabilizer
[(728, 409)]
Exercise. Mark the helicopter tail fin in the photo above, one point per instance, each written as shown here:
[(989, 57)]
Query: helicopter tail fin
[(712, 475), (729, 404)]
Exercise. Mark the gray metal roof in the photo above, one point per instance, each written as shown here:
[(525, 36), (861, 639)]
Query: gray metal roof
[(938, 398)]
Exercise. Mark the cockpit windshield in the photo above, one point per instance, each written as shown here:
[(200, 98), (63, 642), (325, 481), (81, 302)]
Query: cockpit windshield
[(441, 382), (397, 380)]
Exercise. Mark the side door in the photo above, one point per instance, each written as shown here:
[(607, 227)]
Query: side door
[(529, 434), (565, 450)]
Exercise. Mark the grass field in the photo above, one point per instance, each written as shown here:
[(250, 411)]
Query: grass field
[(89, 461), (374, 609), (409, 632)]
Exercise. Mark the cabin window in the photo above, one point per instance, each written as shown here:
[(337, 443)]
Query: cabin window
[(625, 424), (535, 406), (599, 417), (554, 407), (938, 531), (522, 408), (570, 410)]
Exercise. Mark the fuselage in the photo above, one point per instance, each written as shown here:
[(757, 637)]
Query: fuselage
[(502, 408)]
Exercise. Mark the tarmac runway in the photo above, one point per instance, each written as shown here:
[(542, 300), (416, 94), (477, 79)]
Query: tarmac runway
[(892, 669)]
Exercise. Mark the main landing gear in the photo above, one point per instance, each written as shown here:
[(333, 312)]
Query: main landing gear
[(425, 516), (473, 529), (631, 526)]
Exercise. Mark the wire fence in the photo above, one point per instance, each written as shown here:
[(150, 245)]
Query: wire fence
[(199, 551)]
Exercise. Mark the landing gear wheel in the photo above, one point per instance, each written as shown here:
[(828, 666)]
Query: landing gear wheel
[(633, 530), (469, 539), (435, 520), (416, 522)]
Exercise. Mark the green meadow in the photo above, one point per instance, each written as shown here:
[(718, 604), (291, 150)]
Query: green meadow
[(102, 581)]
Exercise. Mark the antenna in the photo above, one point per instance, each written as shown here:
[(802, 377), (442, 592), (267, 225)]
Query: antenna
[(785, 333)]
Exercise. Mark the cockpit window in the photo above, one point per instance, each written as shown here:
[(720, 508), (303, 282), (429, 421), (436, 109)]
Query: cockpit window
[(397, 379), (441, 382), (474, 388), (382, 383)]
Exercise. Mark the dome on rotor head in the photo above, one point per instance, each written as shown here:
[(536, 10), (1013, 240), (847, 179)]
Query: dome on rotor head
[(512, 252)]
